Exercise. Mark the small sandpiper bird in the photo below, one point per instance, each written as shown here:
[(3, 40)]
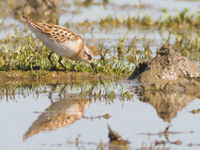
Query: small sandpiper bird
[(60, 40)]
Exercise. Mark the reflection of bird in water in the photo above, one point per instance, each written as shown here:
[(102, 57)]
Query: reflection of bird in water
[(59, 114)]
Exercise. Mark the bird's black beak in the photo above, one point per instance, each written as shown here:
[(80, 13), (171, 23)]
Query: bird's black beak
[(92, 65)]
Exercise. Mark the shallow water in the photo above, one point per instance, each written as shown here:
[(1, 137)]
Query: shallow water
[(48, 117), (126, 8), (72, 13)]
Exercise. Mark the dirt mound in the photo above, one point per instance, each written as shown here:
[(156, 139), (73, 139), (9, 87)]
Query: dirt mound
[(168, 71)]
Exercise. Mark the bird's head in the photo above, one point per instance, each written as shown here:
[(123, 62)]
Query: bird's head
[(87, 55)]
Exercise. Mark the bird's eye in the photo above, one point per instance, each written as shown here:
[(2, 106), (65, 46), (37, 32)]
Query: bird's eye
[(89, 56)]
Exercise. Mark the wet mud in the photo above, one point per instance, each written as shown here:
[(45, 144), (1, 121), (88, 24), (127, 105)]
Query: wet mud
[(116, 141), (48, 77), (169, 71)]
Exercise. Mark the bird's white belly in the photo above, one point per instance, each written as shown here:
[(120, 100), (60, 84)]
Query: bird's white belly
[(67, 49)]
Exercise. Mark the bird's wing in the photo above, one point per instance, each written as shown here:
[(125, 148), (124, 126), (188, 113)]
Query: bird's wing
[(58, 33)]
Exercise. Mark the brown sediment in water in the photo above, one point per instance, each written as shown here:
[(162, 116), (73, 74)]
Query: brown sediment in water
[(49, 77), (116, 141)]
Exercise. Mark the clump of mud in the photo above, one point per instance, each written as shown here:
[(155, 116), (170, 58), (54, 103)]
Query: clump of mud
[(116, 141), (168, 71), (42, 10)]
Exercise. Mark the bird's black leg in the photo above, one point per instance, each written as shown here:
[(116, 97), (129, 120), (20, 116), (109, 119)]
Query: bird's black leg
[(60, 59), (49, 57)]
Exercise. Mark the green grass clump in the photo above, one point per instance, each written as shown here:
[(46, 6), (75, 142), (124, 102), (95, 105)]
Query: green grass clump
[(181, 21), (23, 51)]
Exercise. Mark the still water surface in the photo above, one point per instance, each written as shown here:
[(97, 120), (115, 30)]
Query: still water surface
[(40, 121)]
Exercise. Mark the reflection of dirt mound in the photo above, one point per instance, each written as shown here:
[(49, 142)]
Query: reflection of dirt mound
[(166, 104), (168, 71), (59, 114), (44, 10)]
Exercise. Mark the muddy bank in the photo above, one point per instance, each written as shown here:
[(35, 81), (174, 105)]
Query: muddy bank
[(48, 77), (168, 71)]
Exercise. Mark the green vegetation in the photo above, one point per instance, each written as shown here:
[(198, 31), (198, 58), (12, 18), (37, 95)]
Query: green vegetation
[(23, 52), (181, 21)]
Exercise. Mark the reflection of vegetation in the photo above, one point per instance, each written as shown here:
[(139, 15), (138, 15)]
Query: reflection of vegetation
[(99, 89), (166, 133), (194, 111)]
